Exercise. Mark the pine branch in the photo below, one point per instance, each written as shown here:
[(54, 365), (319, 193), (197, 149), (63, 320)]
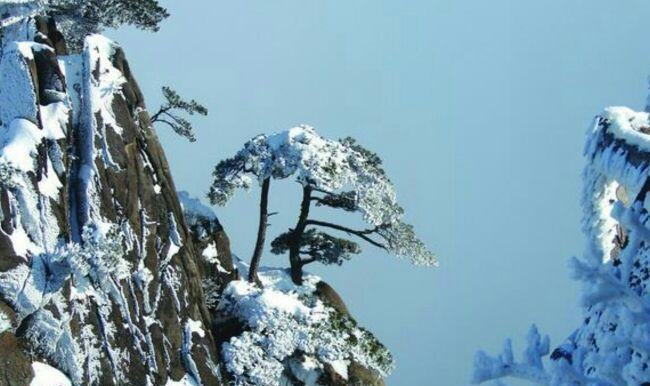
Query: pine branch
[(363, 234)]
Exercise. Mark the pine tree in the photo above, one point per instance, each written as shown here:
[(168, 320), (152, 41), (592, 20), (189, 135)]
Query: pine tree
[(340, 175), (168, 113)]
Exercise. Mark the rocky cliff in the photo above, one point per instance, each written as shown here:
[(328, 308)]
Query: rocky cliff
[(100, 275), (108, 276)]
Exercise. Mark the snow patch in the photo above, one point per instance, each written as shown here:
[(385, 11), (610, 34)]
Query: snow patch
[(210, 253), (46, 375), (628, 125), (284, 320), (187, 380), (5, 323), (341, 367), (55, 119), (196, 327), (18, 144), (195, 206)]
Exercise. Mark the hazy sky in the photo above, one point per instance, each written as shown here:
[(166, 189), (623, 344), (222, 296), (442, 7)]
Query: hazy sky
[(479, 109)]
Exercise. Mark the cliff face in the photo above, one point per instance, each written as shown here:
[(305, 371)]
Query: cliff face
[(100, 275), (110, 276)]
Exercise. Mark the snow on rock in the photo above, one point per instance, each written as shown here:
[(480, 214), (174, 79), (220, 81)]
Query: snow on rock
[(18, 144), (196, 327), (99, 51), (46, 375), (210, 253), (201, 218), (285, 322), (55, 120), (15, 76), (101, 274), (185, 381), (194, 206), (612, 345), (628, 125), (5, 323)]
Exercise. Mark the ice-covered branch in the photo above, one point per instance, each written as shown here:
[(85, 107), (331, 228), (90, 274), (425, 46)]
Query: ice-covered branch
[(488, 368)]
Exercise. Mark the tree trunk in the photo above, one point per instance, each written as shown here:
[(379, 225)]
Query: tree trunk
[(261, 232), (296, 236)]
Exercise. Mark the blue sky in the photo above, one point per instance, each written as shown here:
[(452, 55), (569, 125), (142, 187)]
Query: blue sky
[(479, 110)]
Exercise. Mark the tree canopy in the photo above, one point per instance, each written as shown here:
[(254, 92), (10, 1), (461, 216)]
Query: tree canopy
[(340, 174), (79, 18)]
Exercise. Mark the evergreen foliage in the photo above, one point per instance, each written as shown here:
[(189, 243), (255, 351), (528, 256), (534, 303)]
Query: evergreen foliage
[(336, 174), (77, 19), (168, 113)]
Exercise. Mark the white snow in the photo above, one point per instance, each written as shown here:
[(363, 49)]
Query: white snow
[(308, 371), (55, 119), (626, 124), (284, 319), (210, 253), (187, 380), (46, 375), (18, 144), (341, 367), (49, 185), (196, 327), (99, 52), (195, 206), (21, 242), (17, 94), (5, 323)]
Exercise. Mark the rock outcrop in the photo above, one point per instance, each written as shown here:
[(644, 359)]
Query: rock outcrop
[(98, 264)]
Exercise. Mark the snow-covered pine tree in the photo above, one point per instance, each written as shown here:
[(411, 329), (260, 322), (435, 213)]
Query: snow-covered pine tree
[(80, 18), (338, 174), (612, 346)]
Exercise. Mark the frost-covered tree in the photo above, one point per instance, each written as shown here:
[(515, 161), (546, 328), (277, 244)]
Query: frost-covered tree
[(340, 175), (168, 113), (79, 18), (612, 345)]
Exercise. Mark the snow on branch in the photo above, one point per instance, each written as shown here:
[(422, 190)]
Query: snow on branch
[(338, 174), (530, 369), (323, 164)]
